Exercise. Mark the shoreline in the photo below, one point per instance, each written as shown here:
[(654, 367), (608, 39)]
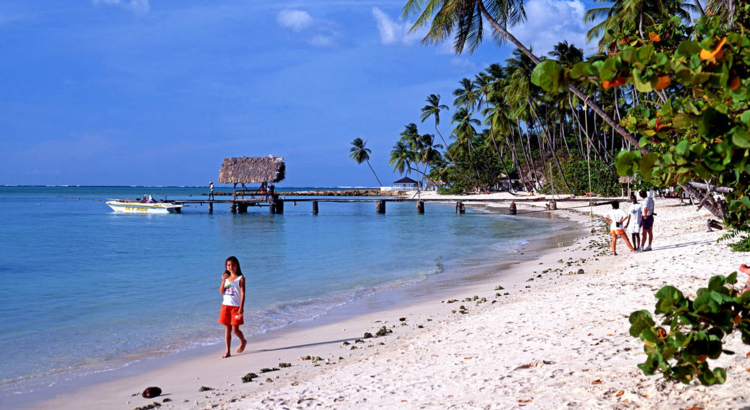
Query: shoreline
[(564, 344), (403, 297)]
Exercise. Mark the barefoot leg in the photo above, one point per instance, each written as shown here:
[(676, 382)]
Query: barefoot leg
[(243, 341), (227, 340), (614, 243), (624, 236)]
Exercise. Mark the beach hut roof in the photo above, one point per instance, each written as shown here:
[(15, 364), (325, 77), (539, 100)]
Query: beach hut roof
[(625, 180), (252, 170), (405, 180)]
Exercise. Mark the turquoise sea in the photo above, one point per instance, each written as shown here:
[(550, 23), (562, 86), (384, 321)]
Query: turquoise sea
[(85, 290)]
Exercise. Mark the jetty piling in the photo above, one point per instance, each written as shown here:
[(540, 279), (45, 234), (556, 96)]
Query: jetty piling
[(380, 207), (513, 209), (271, 207), (420, 207), (315, 207)]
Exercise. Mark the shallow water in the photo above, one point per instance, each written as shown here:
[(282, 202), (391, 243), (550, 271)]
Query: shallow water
[(83, 289)]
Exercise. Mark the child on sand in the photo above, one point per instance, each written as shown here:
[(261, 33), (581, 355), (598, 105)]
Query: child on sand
[(233, 290), (634, 222), (616, 217)]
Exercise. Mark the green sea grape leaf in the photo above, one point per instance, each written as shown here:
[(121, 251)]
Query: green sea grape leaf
[(579, 70), (639, 321), (641, 85), (547, 75), (609, 70), (647, 165), (740, 137)]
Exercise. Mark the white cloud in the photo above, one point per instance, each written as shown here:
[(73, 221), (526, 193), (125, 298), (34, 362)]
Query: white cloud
[(393, 32), (297, 20), (550, 22), (315, 32), (136, 6)]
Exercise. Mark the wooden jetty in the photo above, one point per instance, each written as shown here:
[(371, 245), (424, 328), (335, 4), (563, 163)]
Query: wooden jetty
[(275, 203), (269, 170)]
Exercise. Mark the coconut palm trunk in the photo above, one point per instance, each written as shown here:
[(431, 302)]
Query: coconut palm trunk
[(373, 172), (571, 87), (450, 154)]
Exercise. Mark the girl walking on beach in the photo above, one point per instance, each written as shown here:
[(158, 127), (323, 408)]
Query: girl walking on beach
[(231, 315)]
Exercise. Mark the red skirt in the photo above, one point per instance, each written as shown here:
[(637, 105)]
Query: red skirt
[(227, 316)]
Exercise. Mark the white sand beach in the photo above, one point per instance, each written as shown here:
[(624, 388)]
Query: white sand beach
[(551, 340)]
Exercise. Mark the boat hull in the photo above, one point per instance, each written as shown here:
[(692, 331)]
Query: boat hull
[(139, 208)]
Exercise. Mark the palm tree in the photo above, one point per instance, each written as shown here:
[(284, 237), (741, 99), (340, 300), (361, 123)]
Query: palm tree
[(433, 108), (360, 153), (465, 135), (464, 131), (566, 54), (465, 18), (410, 136), (429, 153), (401, 158), (466, 95)]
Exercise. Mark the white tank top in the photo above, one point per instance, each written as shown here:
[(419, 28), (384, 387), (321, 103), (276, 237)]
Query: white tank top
[(232, 292)]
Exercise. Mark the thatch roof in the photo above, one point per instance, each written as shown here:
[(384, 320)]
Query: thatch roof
[(625, 180), (405, 181), (252, 170)]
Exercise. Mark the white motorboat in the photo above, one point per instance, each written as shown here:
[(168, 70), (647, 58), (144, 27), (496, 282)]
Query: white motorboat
[(140, 207)]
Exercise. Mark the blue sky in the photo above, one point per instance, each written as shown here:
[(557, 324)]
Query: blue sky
[(158, 92)]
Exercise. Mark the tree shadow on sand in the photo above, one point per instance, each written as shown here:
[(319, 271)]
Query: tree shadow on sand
[(683, 245), (300, 346)]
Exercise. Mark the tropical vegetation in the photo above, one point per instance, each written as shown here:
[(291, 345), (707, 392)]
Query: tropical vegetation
[(664, 97)]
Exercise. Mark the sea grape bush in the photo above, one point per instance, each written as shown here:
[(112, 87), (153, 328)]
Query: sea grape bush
[(692, 331), (693, 118)]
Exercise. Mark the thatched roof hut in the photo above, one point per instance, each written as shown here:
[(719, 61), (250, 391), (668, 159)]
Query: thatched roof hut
[(252, 170), (405, 181)]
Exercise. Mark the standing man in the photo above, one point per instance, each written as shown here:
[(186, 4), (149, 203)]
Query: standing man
[(648, 220), (211, 190)]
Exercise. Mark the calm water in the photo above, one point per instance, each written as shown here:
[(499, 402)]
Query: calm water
[(83, 289)]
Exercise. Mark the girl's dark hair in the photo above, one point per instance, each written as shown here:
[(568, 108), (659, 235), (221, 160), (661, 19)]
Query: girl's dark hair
[(615, 205), (236, 261)]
